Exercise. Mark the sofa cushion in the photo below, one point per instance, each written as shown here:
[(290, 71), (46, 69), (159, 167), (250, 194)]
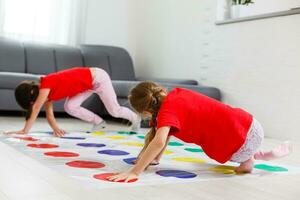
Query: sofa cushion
[(67, 57), (12, 56), (9, 80), (39, 59), (120, 66), (123, 88), (96, 58)]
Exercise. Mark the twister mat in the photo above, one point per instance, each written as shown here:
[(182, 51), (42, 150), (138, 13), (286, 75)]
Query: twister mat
[(91, 157)]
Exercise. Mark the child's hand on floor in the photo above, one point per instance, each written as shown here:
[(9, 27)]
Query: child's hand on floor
[(58, 132), (126, 176), (15, 132)]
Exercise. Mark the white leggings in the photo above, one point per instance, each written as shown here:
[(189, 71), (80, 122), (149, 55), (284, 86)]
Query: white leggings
[(103, 87)]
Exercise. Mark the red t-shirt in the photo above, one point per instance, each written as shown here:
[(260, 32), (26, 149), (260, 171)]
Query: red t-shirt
[(194, 118), (67, 83)]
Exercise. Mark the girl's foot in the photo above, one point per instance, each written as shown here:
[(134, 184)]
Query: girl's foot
[(136, 124), (99, 127), (245, 167), (281, 151)]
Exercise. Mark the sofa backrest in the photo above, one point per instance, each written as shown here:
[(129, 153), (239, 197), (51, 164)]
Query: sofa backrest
[(115, 60), (12, 56), (39, 59), (36, 58), (67, 57)]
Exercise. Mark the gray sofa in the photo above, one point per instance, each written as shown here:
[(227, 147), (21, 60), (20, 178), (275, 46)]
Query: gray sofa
[(20, 61)]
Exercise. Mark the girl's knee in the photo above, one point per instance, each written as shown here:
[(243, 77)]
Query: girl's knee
[(115, 112), (69, 108)]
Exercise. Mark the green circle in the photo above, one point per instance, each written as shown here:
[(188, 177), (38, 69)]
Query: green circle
[(270, 168), (141, 137), (193, 150), (175, 144), (127, 132)]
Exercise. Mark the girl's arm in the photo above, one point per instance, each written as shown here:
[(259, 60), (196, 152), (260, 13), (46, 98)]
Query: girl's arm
[(51, 119), (158, 157), (41, 99), (152, 151)]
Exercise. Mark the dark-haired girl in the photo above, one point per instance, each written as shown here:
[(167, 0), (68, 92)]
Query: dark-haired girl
[(76, 85)]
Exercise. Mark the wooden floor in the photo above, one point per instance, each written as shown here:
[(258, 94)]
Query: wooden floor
[(22, 178)]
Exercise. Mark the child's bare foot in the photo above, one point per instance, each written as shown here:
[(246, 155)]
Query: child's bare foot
[(245, 167), (281, 151)]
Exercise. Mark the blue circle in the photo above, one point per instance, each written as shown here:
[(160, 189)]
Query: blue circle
[(130, 161), (176, 173), (91, 145), (73, 138), (113, 152)]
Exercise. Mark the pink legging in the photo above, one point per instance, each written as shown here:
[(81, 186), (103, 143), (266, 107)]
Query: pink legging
[(103, 87)]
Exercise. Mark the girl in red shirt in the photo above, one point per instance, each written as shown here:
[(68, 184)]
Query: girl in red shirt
[(76, 85), (224, 133)]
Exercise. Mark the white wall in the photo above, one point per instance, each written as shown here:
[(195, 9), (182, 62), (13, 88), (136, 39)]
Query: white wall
[(256, 64), (108, 22)]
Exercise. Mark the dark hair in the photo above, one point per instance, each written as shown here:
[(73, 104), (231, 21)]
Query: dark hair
[(26, 94), (147, 96)]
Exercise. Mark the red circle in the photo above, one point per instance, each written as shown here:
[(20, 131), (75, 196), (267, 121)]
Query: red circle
[(43, 146), (85, 164), (104, 176), (27, 138), (61, 154)]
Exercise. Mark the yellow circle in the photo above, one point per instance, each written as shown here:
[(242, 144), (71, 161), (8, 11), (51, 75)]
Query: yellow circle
[(168, 152), (187, 159), (223, 169), (116, 137), (98, 133), (133, 144)]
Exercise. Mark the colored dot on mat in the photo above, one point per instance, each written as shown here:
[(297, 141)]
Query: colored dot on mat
[(61, 154), (104, 176), (176, 173), (133, 144), (73, 138), (113, 152), (91, 145), (127, 132), (141, 137), (85, 164), (193, 150), (270, 168), (223, 169), (130, 161), (98, 133), (175, 144), (43, 146), (191, 160), (116, 137), (168, 152), (27, 138)]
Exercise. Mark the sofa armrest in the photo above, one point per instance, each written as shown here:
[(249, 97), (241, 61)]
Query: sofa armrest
[(169, 80)]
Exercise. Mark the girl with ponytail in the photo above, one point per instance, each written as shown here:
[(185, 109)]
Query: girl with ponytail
[(225, 133)]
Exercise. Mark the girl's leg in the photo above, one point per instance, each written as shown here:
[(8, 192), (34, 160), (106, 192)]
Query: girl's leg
[(282, 150), (106, 92), (73, 107)]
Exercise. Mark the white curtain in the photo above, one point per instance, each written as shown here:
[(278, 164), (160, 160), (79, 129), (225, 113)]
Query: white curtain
[(49, 21)]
